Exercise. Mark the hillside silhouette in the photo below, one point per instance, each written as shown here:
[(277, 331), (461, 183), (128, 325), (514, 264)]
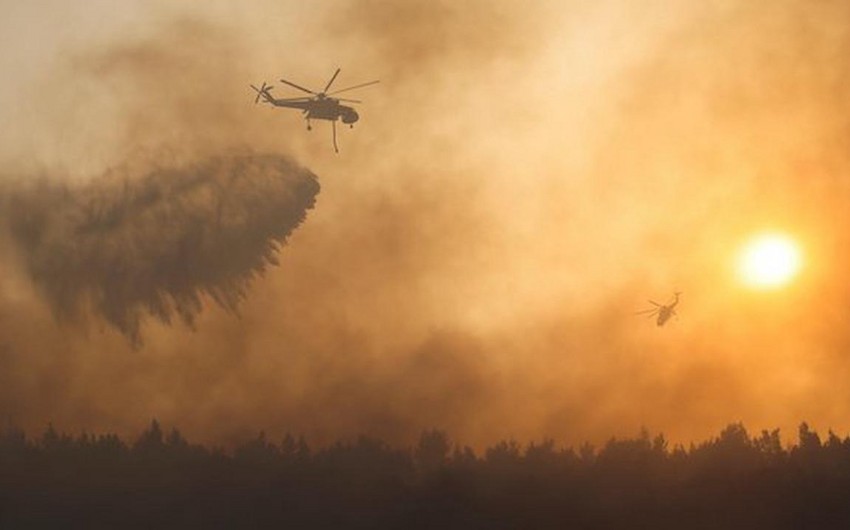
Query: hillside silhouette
[(160, 480)]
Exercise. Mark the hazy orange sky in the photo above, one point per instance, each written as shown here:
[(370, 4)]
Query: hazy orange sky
[(525, 176)]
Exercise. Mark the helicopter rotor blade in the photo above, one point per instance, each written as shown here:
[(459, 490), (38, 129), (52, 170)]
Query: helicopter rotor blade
[(331, 81), (298, 87), (649, 312), (656, 304), (349, 100), (353, 87), (257, 90)]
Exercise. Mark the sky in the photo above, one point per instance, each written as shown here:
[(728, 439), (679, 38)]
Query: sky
[(523, 179)]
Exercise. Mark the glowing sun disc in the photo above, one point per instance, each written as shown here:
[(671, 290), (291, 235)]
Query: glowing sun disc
[(769, 261)]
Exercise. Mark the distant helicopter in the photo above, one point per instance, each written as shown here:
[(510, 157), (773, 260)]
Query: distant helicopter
[(319, 106), (664, 312)]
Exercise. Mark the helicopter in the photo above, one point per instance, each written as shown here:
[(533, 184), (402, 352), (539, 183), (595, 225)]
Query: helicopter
[(663, 311), (318, 106)]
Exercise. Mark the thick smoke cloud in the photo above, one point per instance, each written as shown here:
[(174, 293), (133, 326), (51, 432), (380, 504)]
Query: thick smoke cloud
[(158, 243)]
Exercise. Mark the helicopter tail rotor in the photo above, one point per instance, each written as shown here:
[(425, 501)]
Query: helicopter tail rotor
[(262, 92)]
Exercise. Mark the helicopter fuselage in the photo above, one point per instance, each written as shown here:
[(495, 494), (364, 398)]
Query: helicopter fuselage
[(667, 311), (664, 315), (322, 109)]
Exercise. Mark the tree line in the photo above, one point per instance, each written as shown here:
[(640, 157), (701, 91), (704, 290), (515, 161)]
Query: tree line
[(160, 480)]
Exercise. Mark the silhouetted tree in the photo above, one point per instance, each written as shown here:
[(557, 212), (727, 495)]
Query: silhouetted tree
[(809, 441), (504, 455), (258, 451), (542, 456), (432, 451), (463, 457), (151, 439), (769, 446)]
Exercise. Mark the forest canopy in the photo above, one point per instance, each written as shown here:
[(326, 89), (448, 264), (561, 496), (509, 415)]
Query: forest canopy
[(733, 480)]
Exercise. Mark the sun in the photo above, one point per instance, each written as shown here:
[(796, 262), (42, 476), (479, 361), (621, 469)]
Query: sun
[(768, 261)]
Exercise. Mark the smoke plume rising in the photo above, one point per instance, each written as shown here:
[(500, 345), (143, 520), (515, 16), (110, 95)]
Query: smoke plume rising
[(127, 245)]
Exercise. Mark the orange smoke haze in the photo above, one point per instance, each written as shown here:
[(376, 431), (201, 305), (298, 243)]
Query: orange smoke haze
[(523, 179)]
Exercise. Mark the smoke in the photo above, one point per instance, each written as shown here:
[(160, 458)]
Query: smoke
[(523, 178), (157, 243)]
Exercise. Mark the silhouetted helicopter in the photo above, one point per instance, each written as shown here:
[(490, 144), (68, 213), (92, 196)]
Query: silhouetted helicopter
[(664, 312), (319, 106)]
